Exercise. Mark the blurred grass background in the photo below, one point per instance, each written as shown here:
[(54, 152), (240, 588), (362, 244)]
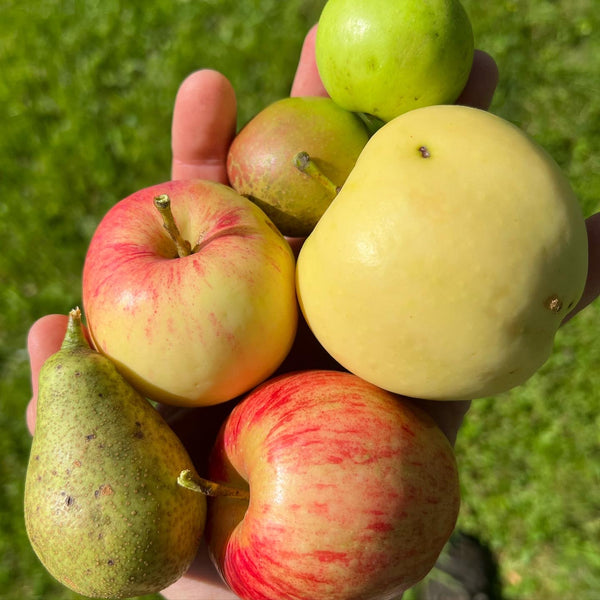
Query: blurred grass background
[(86, 94)]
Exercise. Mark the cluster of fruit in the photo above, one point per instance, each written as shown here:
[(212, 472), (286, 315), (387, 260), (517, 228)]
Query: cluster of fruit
[(444, 248)]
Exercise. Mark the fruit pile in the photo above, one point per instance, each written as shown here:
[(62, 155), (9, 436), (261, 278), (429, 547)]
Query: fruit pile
[(443, 249)]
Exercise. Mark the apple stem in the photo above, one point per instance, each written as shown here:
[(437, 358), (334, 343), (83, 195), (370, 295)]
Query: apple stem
[(209, 488), (163, 204), (305, 164)]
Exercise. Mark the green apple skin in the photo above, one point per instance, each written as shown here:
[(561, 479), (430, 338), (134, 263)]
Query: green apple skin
[(260, 160), (448, 261), (200, 329), (353, 491), (386, 57)]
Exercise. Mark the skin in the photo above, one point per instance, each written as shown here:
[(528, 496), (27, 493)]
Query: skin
[(204, 122)]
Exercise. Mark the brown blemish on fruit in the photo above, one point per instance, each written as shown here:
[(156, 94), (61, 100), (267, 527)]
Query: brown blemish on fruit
[(424, 152), (553, 304), (138, 433), (103, 490)]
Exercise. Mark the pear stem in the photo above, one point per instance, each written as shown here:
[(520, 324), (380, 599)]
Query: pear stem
[(209, 488), (74, 336), (305, 164), (163, 204)]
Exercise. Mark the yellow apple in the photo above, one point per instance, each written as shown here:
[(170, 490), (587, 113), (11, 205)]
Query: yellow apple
[(450, 257)]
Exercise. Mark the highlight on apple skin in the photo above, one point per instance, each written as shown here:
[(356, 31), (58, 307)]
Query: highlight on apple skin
[(195, 329), (353, 491)]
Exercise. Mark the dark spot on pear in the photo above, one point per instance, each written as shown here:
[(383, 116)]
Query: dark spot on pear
[(424, 152), (91, 436), (69, 500), (138, 434)]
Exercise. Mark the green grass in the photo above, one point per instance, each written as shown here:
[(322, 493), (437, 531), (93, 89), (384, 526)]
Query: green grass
[(86, 90)]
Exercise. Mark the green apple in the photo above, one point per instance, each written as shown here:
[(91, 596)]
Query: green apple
[(446, 264), (386, 57), (261, 163)]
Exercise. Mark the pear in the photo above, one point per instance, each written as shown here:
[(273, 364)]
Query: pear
[(292, 157), (449, 259), (103, 509)]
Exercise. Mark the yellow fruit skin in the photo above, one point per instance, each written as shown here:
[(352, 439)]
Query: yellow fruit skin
[(447, 262)]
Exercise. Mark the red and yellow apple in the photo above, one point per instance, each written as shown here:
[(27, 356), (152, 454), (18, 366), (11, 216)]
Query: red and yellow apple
[(271, 159), (353, 491), (195, 329)]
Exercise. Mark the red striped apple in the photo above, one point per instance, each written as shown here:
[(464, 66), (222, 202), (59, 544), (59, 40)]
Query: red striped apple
[(195, 307), (353, 491)]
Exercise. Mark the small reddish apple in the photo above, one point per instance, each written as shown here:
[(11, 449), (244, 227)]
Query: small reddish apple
[(353, 491), (200, 314), (291, 158)]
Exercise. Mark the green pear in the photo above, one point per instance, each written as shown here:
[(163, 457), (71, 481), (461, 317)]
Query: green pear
[(291, 158), (446, 264), (386, 57), (103, 509)]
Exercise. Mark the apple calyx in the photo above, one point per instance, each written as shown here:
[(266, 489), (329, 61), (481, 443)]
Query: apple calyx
[(209, 488), (305, 164), (163, 204)]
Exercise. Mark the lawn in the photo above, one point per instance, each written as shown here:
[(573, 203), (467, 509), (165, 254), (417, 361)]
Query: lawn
[(87, 89)]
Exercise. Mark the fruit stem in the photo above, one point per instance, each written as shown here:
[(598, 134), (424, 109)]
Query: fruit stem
[(372, 123), (209, 488), (305, 164), (74, 336), (163, 204)]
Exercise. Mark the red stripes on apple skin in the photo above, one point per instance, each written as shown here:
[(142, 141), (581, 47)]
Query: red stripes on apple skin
[(352, 490)]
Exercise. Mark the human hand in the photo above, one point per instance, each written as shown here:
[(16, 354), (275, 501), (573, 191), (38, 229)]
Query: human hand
[(204, 122)]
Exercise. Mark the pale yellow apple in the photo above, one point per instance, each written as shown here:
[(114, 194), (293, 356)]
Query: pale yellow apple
[(450, 257)]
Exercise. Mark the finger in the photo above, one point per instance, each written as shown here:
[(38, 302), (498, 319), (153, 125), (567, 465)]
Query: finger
[(204, 123), (44, 339), (592, 285), (201, 581), (307, 81), (481, 85)]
